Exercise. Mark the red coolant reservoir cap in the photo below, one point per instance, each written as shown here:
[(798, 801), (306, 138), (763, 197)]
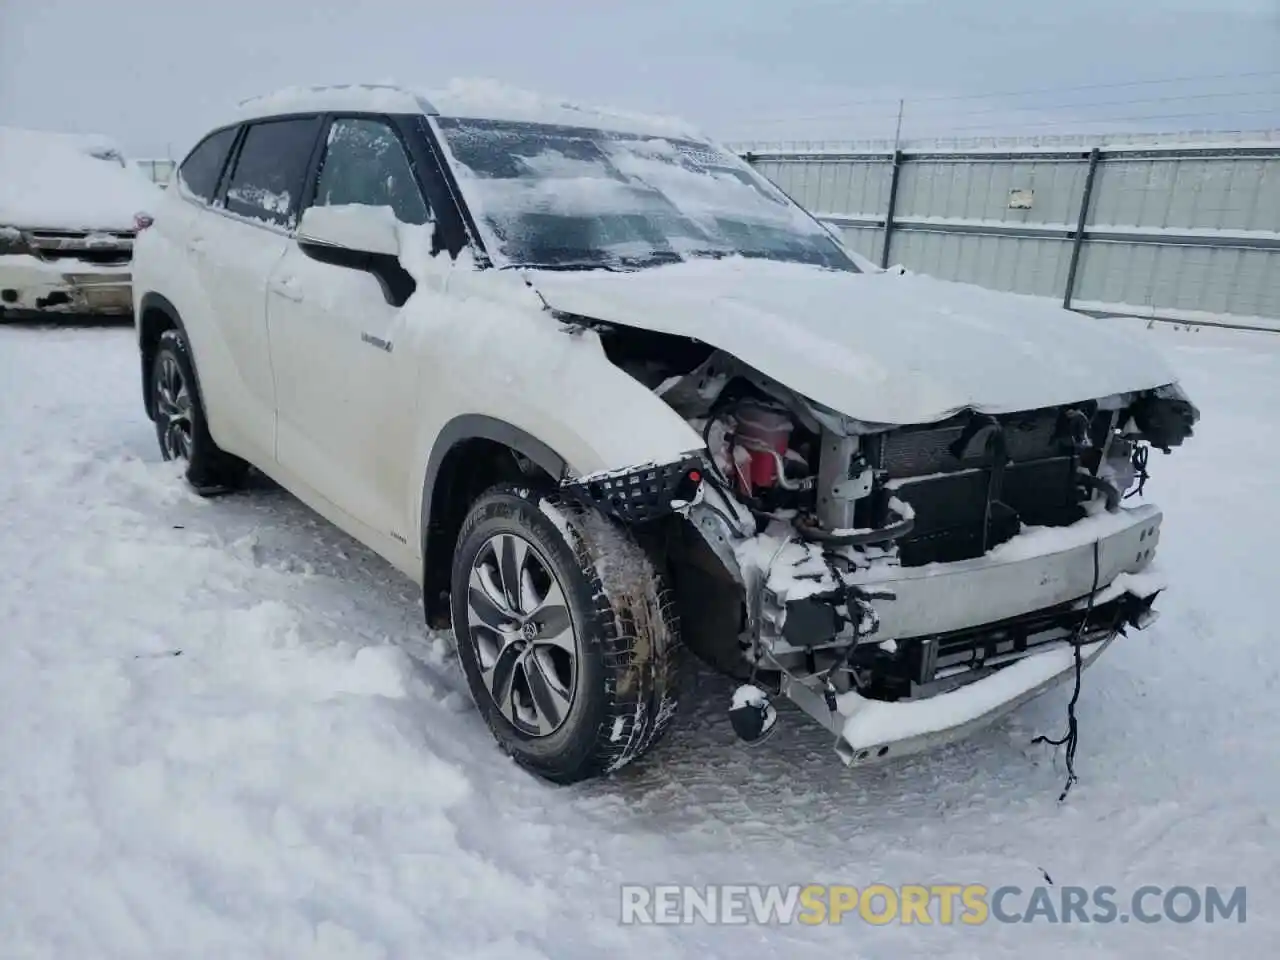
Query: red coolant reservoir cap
[(768, 426)]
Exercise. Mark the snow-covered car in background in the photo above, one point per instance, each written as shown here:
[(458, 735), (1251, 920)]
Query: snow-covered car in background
[(600, 388), (70, 206)]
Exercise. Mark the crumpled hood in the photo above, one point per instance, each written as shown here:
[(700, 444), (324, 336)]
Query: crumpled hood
[(883, 348)]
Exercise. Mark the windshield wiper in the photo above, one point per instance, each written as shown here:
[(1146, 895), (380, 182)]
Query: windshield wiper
[(612, 264), (563, 265)]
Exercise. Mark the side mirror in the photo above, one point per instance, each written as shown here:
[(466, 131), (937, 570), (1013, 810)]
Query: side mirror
[(358, 238), (352, 227)]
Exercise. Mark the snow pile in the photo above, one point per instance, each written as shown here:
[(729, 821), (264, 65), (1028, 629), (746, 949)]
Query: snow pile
[(379, 97), (357, 226), (482, 97), (53, 181), (792, 570)]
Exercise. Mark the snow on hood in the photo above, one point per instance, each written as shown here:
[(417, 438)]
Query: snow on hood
[(50, 180), (883, 347)]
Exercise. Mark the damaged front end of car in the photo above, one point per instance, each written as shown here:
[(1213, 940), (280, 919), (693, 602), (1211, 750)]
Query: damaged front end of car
[(902, 584)]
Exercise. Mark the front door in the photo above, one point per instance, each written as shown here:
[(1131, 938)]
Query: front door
[(345, 394)]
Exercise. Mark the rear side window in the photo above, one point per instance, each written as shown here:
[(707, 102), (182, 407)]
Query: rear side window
[(269, 173), (364, 162), (200, 171)]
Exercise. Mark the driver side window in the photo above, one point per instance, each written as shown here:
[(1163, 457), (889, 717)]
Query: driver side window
[(365, 163)]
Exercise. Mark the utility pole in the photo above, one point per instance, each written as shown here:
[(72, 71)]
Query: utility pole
[(894, 171)]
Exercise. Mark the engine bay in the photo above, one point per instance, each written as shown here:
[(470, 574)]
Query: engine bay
[(938, 492)]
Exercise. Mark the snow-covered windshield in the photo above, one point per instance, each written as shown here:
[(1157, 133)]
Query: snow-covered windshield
[(564, 197)]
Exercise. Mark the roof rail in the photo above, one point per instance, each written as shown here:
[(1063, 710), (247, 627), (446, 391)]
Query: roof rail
[(320, 95)]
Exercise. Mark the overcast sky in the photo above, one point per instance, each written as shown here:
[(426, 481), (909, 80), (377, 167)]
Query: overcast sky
[(157, 73)]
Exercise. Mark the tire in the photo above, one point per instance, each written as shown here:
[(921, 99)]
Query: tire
[(181, 428), (617, 698)]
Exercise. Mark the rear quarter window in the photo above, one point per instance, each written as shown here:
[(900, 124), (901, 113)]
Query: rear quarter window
[(270, 170), (199, 173)]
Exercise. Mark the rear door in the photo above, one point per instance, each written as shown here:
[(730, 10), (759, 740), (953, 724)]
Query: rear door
[(345, 374), (165, 263), (237, 243)]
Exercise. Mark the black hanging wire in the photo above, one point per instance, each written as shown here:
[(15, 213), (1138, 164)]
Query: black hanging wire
[(1072, 737), (1140, 457)]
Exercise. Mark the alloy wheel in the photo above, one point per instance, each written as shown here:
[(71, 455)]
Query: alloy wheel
[(522, 633), (173, 409)]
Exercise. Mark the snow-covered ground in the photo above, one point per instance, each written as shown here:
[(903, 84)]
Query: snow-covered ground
[(224, 732)]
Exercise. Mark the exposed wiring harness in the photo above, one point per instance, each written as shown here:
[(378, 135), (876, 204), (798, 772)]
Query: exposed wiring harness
[(1071, 738), (1140, 457)]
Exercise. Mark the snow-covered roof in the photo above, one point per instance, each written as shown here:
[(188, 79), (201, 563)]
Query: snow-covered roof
[(485, 99), (379, 97)]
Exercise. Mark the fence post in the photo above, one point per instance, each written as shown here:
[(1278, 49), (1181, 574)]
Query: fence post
[(1077, 242), (893, 203)]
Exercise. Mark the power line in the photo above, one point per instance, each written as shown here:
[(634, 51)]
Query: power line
[(1079, 105), (1036, 108), (1076, 121), (1106, 86), (837, 111)]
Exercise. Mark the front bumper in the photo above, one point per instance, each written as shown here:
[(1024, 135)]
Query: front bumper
[(980, 637), (1034, 571), (869, 731), (30, 285)]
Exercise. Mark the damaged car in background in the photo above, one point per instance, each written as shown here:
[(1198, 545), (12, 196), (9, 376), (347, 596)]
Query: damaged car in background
[(70, 207), (607, 393)]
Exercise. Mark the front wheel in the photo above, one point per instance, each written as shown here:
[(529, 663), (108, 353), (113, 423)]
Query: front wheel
[(181, 427), (567, 635)]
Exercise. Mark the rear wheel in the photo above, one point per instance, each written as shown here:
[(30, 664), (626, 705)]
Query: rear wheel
[(567, 635), (181, 427)]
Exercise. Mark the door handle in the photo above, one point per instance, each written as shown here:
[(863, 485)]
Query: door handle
[(288, 288), (196, 244)]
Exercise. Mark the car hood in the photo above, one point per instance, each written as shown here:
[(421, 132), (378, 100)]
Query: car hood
[(885, 347), (47, 183)]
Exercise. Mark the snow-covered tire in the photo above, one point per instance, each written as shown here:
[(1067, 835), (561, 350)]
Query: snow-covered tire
[(625, 634), (181, 427)]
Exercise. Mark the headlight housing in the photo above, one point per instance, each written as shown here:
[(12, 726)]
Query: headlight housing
[(12, 241)]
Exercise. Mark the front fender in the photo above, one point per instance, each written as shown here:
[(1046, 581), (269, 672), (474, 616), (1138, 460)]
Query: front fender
[(489, 352)]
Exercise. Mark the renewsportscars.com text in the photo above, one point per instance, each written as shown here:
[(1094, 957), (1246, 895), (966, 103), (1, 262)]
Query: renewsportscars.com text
[(942, 904)]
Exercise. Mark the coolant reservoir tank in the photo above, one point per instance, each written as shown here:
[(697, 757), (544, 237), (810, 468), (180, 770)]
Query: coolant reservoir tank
[(770, 429)]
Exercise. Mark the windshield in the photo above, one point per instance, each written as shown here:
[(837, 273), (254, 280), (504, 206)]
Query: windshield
[(562, 197)]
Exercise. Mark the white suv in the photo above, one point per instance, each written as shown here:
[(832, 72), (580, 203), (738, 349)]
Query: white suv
[(600, 388)]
